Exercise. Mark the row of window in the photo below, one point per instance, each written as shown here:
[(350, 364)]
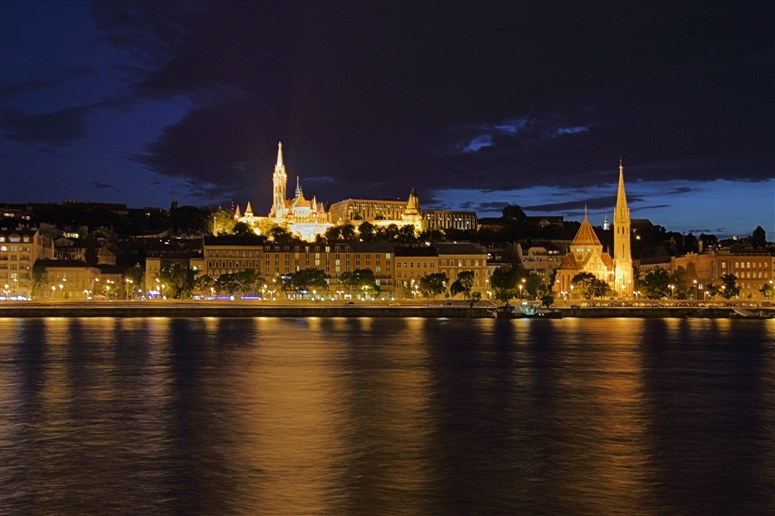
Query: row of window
[(751, 275), (747, 265), (14, 248), (15, 238)]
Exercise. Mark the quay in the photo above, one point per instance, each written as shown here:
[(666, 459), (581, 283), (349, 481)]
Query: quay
[(338, 309)]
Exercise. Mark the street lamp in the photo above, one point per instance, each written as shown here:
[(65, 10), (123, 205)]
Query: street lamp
[(696, 291), (672, 291)]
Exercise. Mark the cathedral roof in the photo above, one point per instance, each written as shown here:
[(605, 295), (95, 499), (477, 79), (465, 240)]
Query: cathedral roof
[(607, 260), (586, 235), (569, 262)]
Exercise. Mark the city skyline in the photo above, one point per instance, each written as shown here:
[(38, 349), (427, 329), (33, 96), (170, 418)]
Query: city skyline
[(476, 106)]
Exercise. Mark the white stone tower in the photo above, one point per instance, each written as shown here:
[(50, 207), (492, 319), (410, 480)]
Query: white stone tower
[(622, 255), (279, 179)]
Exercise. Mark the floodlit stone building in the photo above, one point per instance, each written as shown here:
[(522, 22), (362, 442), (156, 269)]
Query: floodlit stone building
[(19, 249), (586, 252)]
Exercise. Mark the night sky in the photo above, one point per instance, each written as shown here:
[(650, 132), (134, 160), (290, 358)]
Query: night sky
[(473, 104)]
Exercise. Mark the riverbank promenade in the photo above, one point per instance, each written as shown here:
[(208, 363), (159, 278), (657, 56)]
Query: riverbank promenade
[(433, 309)]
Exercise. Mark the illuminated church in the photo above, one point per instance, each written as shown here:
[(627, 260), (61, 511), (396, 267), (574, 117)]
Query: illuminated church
[(586, 252), (309, 218)]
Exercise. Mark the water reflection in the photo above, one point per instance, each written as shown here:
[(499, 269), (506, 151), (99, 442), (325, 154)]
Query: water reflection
[(409, 416)]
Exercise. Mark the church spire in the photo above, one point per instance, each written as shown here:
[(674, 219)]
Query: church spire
[(621, 197), (279, 154), (622, 252)]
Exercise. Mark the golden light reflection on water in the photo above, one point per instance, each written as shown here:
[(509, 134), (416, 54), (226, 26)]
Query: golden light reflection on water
[(293, 426), (369, 416)]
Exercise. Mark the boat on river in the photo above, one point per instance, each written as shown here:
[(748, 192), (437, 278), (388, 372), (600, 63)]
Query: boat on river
[(526, 311)]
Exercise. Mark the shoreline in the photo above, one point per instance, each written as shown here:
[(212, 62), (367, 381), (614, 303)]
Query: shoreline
[(232, 309)]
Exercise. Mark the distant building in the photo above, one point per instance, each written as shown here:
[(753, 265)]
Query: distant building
[(751, 268), (541, 258), (19, 250), (546, 220), (443, 219), (457, 258), (68, 280)]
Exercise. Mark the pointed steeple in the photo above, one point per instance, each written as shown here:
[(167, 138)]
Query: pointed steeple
[(279, 180), (298, 187), (621, 197), (248, 210), (586, 235), (237, 213), (622, 239)]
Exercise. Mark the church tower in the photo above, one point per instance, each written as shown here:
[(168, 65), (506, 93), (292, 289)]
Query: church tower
[(622, 255), (279, 179)]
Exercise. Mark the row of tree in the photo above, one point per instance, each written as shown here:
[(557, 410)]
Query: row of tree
[(659, 284)]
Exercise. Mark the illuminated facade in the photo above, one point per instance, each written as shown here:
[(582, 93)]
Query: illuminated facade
[(624, 280), (586, 252), (302, 217), (443, 219), (19, 249), (378, 212)]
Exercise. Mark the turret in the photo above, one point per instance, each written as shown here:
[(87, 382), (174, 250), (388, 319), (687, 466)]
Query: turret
[(279, 180)]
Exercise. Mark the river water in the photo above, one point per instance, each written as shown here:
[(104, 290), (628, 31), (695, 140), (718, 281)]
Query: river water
[(386, 416)]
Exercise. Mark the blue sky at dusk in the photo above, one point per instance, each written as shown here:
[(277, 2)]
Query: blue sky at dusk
[(473, 104)]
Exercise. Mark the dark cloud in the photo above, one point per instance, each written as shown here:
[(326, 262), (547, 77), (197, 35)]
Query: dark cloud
[(372, 99), (103, 186), (594, 203), (553, 94), (13, 90), (53, 129)]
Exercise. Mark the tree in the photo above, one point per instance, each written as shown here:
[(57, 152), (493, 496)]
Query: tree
[(204, 283), (475, 298), (227, 282), (280, 235), (304, 280), (241, 229), (729, 289), (39, 279), (547, 299), (367, 232), (767, 290), (220, 222), (583, 283), (178, 280), (406, 235), (759, 238), (348, 232), (133, 279), (333, 233), (504, 281), (248, 281), (432, 285), (360, 280), (712, 290), (655, 284), (431, 235), (463, 284), (600, 288)]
